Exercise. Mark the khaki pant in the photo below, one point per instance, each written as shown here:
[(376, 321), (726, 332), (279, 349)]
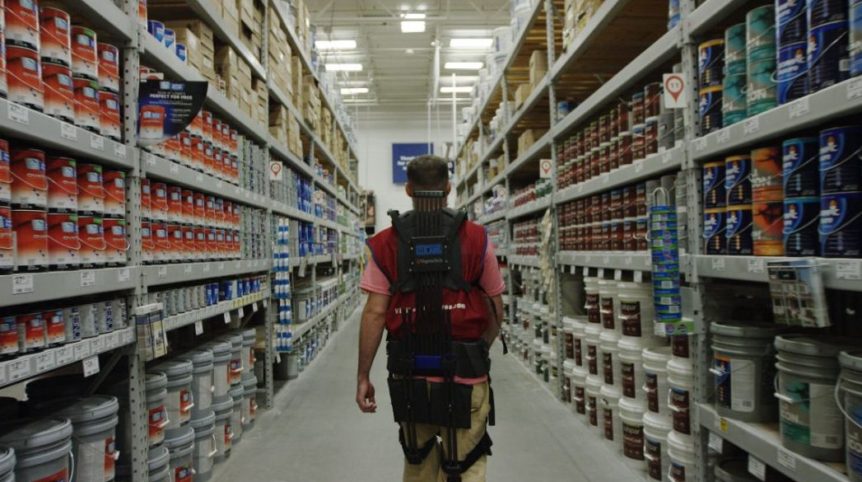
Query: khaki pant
[(467, 439)]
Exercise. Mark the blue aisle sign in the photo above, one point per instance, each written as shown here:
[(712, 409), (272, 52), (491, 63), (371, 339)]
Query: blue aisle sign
[(403, 154)]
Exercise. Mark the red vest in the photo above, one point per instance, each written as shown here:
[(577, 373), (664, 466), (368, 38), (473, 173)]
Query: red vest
[(468, 309)]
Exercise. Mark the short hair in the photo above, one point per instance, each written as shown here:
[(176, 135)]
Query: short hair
[(428, 172)]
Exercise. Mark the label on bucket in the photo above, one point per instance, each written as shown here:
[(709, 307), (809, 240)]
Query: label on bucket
[(651, 388), (633, 441), (183, 474), (680, 399), (652, 451), (608, 415), (629, 379), (677, 472), (110, 460), (735, 387), (60, 476), (813, 419)]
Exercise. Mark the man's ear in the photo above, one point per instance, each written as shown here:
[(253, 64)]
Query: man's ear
[(409, 188), (448, 187)]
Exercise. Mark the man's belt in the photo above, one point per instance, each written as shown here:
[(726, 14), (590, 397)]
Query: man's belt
[(470, 359)]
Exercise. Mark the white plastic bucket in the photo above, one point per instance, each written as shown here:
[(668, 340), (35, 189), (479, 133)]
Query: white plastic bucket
[(591, 345), (237, 394), (656, 430), (631, 368), (180, 399), (578, 333), (249, 401), (43, 449), (849, 398), (579, 394), (609, 405), (569, 338), (249, 337), (566, 394), (609, 362), (159, 464), (680, 451), (221, 360), (94, 424), (202, 384), (655, 379), (608, 308), (632, 422), (636, 310), (7, 464), (157, 412), (204, 447), (223, 432), (593, 387), (680, 394), (181, 443)]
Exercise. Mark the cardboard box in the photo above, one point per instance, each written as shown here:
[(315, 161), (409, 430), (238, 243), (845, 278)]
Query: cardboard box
[(521, 94), (538, 66), (525, 141)]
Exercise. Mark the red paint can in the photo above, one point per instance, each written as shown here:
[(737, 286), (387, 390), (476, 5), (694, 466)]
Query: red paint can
[(86, 103), (197, 125), (91, 232), (161, 242), (200, 242), (188, 207), (148, 247), (4, 86), (29, 183), (7, 241), (31, 234), (84, 54), (109, 67), (209, 160), (198, 161), (146, 199), (211, 247), (55, 327), (55, 35), (209, 217), (59, 91), (175, 204), (114, 183), (5, 173), (62, 183), (24, 77), (159, 202), (109, 115), (207, 125), (188, 242), (31, 332), (151, 124), (64, 242), (186, 148), (22, 23), (177, 241), (220, 244), (218, 163), (8, 335), (172, 148), (91, 191), (200, 209), (234, 141), (116, 243)]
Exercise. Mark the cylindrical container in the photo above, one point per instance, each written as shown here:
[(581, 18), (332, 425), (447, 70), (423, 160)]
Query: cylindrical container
[(828, 57), (839, 159), (157, 394), (792, 72), (841, 225), (110, 124), (42, 449), (31, 234), (714, 184), (152, 122), (237, 394), (7, 464), (223, 432), (801, 223), (737, 179), (148, 243), (159, 201), (683, 460), (62, 178), (591, 342), (579, 380), (91, 190), (181, 444), (734, 103), (180, 399), (55, 35), (5, 173), (714, 228), (680, 381), (743, 367), (55, 327), (656, 430), (91, 233), (84, 53), (31, 332), (109, 67), (761, 92), (22, 23), (609, 362), (249, 337), (711, 62), (86, 103), (607, 305), (63, 240), (760, 33), (631, 368), (7, 240), (221, 360), (175, 203), (114, 188), (235, 367), (850, 398), (738, 230), (631, 415), (710, 109), (810, 420), (159, 465), (636, 310), (766, 171), (855, 39), (94, 423), (734, 50), (29, 179), (249, 404), (655, 387), (202, 385), (609, 401), (800, 161), (791, 21), (24, 77), (205, 445), (592, 304), (59, 91), (768, 228), (8, 335)]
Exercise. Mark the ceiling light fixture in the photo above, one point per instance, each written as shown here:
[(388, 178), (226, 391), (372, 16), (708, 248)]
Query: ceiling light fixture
[(354, 90), (459, 79), (413, 26), (335, 44), (471, 43), (413, 16), (456, 90), (344, 67), (463, 65)]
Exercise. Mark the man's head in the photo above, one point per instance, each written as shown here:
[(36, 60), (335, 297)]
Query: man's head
[(428, 173)]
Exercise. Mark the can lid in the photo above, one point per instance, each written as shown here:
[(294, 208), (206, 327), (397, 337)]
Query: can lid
[(851, 360), (38, 433), (198, 357), (218, 347), (249, 334), (746, 330), (823, 347), (222, 404), (157, 458), (179, 437), (92, 408), (236, 391), (204, 421), (156, 381), (175, 368), (7, 460)]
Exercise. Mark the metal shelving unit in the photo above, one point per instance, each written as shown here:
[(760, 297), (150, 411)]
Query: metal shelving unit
[(193, 316), (54, 285), (163, 274)]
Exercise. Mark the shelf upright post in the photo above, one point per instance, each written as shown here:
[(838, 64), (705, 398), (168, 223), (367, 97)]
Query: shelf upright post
[(268, 313)]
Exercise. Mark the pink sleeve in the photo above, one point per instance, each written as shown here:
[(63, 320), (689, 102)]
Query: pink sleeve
[(373, 280), (492, 280)]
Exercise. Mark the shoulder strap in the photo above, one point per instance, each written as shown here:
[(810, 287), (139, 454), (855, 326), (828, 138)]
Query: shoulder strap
[(404, 229)]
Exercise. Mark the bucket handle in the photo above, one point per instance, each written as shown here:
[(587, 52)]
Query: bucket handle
[(23, 180), (672, 406), (71, 465), (841, 405), (102, 248), (58, 241), (650, 457), (782, 397), (214, 450), (52, 181)]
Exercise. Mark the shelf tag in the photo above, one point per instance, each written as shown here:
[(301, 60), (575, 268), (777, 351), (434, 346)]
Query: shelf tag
[(618, 275), (254, 307), (718, 264), (22, 283), (188, 269), (601, 273), (573, 269), (91, 366), (163, 271), (199, 328), (175, 168), (756, 265), (786, 459), (639, 277), (123, 275), (241, 312), (88, 278), (751, 126), (19, 368), (226, 317), (82, 350), (98, 345), (206, 268), (716, 443), (45, 361), (799, 108), (756, 468), (221, 266), (120, 150), (849, 270), (723, 136), (64, 355), (97, 142), (854, 88), (68, 131), (700, 144), (19, 114), (723, 425)]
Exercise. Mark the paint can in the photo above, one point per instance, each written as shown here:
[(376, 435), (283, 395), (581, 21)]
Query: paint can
[(181, 52), (800, 159), (59, 98), (825, 11), (114, 184), (768, 232), (176, 241), (828, 62), (159, 201), (63, 240), (760, 34), (792, 72), (156, 29), (5, 172), (737, 180), (734, 101), (86, 103), (7, 241), (188, 242), (739, 230), (840, 149), (175, 203), (115, 240), (148, 247), (29, 182), (200, 242), (200, 208), (188, 215), (801, 221), (92, 235), (8, 335), (714, 228), (766, 170), (55, 35), (146, 198), (710, 67), (710, 109), (85, 59), (161, 242), (185, 148), (91, 191), (31, 235), (24, 77), (4, 86), (151, 123), (55, 327), (22, 23), (714, 183), (841, 225), (31, 332), (792, 22), (855, 38), (734, 49), (761, 92), (109, 67), (109, 115), (62, 183)]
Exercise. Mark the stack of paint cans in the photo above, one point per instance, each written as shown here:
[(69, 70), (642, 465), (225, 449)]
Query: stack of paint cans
[(792, 50), (715, 207), (855, 33), (28, 212), (801, 196), (734, 103), (710, 78), (22, 54), (738, 232), (760, 59), (828, 61), (767, 195), (7, 240), (841, 192)]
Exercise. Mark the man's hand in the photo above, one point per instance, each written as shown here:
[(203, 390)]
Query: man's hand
[(365, 396)]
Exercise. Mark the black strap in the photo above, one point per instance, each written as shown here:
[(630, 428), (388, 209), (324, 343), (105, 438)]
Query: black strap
[(453, 470), (418, 455)]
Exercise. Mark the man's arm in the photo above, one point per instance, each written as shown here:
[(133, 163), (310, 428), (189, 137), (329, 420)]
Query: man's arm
[(370, 335), (495, 315)]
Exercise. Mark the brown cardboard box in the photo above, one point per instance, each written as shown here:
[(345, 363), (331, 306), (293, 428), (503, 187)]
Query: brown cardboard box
[(538, 66), (278, 122), (521, 94), (525, 141)]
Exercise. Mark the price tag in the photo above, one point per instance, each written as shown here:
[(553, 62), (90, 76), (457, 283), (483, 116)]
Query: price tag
[(756, 468), (849, 270), (854, 88), (226, 317), (188, 269), (573, 269), (120, 150), (639, 277), (206, 268), (718, 264), (221, 266), (601, 273), (786, 458), (751, 126), (123, 275), (175, 168), (716, 443), (97, 142), (699, 144), (82, 350), (163, 271), (19, 114), (19, 368), (618, 275), (88, 278), (91, 366), (723, 425), (22, 283), (254, 307), (199, 177), (241, 312), (64, 355), (68, 131), (199, 328), (799, 108), (756, 265), (45, 361), (98, 345)]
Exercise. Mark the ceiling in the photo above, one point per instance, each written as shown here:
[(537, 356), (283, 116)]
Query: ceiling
[(398, 68)]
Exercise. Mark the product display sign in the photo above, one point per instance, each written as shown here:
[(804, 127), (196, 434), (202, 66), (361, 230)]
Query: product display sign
[(166, 108), (403, 154)]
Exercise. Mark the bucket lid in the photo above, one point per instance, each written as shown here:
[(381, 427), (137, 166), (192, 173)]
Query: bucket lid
[(734, 470), (632, 344), (632, 408), (680, 366), (176, 368), (235, 340), (593, 383), (659, 354), (7, 460), (156, 381), (609, 337), (851, 360), (179, 437), (199, 358), (593, 330), (632, 286), (218, 347), (680, 442), (745, 330), (222, 405), (568, 366), (580, 373), (204, 421), (38, 433), (250, 334), (250, 382), (655, 421), (822, 346), (157, 458), (236, 391), (92, 408)]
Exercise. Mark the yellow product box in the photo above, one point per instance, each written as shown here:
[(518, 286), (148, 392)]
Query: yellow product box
[(525, 141), (538, 66), (521, 94)]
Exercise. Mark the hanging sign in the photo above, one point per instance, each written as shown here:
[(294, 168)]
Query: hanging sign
[(276, 171), (545, 169), (166, 108), (674, 91), (402, 154)]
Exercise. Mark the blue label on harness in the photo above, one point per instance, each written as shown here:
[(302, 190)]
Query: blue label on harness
[(428, 362), (426, 250)]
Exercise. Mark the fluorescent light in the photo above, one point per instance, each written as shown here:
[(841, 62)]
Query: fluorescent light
[(463, 65), (335, 44), (459, 79), (354, 90), (471, 43), (456, 90), (344, 67), (413, 26), (413, 16)]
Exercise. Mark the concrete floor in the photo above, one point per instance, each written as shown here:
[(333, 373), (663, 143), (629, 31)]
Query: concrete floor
[(315, 432)]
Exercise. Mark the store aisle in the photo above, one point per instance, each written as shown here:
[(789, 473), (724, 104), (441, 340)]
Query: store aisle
[(315, 433)]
